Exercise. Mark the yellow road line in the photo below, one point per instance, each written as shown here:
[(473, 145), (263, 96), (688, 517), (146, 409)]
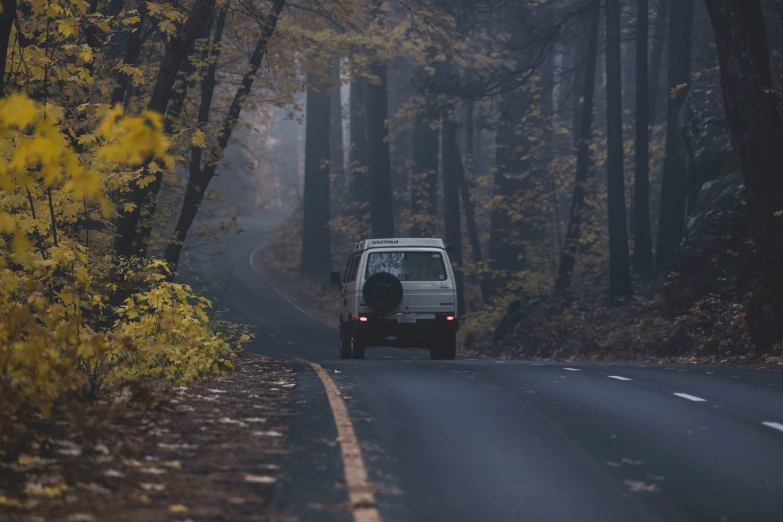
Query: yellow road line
[(360, 489)]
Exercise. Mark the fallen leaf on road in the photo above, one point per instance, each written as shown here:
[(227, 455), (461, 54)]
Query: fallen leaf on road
[(260, 479), (178, 508), (267, 434), (113, 473), (80, 517), (152, 487), (164, 445), (94, 488), (641, 487), (154, 471), (35, 489), (631, 462)]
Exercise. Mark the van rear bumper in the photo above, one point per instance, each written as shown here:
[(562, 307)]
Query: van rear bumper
[(377, 330)]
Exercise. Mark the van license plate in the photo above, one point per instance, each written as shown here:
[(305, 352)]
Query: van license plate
[(406, 318)]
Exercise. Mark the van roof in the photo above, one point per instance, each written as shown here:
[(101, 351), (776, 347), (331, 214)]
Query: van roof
[(399, 242)]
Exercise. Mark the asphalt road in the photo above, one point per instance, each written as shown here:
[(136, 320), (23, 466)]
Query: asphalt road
[(491, 440)]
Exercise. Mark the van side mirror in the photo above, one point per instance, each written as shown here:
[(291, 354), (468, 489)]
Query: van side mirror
[(449, 247), (335, 278)]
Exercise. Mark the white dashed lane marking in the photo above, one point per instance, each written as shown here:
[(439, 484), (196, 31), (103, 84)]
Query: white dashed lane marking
[(572, 369), (773, 425), (690, 397), (619, 378)]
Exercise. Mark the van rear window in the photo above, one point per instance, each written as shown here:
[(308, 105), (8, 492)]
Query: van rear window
[(408, 265)]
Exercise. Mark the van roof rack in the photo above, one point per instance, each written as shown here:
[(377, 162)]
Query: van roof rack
[(399, 242)]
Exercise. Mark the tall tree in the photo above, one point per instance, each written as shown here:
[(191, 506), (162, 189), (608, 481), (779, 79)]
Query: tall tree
[(656, 58), (451, 165), (378, 155), (753, 111), (359, 188), (174, 111), (7, 18), (583, 158), (316, 237), (642, 244), (424, 176), (132, 44), (400, 92), (619, 265), (336, 160), (507, 248), (177, 51), (462, 172), (199, 177), (674, 187)]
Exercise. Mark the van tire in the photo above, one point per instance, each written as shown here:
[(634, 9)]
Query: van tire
[(445, 349), (357, 347), (345, 346)]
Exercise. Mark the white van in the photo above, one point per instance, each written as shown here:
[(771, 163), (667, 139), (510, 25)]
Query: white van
[(398, 292)]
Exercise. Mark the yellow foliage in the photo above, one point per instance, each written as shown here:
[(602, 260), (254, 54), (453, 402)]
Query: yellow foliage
[(56, 341)]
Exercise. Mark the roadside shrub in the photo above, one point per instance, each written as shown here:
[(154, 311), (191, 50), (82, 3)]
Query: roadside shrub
[(60, 340)]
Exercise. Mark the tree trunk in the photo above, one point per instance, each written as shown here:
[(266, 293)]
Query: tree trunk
[(507, 235), (316, 238), (452, 166), (477, 151), (336, 139), (464, 191), (7, 17), (358, 183), (619, 266), (642, 251), (173, 113), (629, 54), (674, 187), (400, 92), (583, 161), (753, 112), (424, 178), (199, 179), (656, 58), (580, 75), (132, 54), (177, 51), (378, 156)]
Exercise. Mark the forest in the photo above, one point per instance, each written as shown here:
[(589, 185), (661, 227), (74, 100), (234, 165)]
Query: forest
[(598, 209), (609, 173)]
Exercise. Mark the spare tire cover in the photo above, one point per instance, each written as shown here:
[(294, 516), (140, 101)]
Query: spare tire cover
[(382, 292)]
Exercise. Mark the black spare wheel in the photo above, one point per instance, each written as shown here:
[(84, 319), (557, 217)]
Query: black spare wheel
[(382, 292)]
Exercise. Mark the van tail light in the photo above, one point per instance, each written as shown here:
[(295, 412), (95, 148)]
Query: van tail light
[(449, 317), (363, 319)]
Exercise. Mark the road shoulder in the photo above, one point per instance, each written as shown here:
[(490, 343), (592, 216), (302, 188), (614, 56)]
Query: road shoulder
[(156, 452)]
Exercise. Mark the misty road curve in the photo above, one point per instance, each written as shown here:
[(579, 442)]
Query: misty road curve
[(517, 441)]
